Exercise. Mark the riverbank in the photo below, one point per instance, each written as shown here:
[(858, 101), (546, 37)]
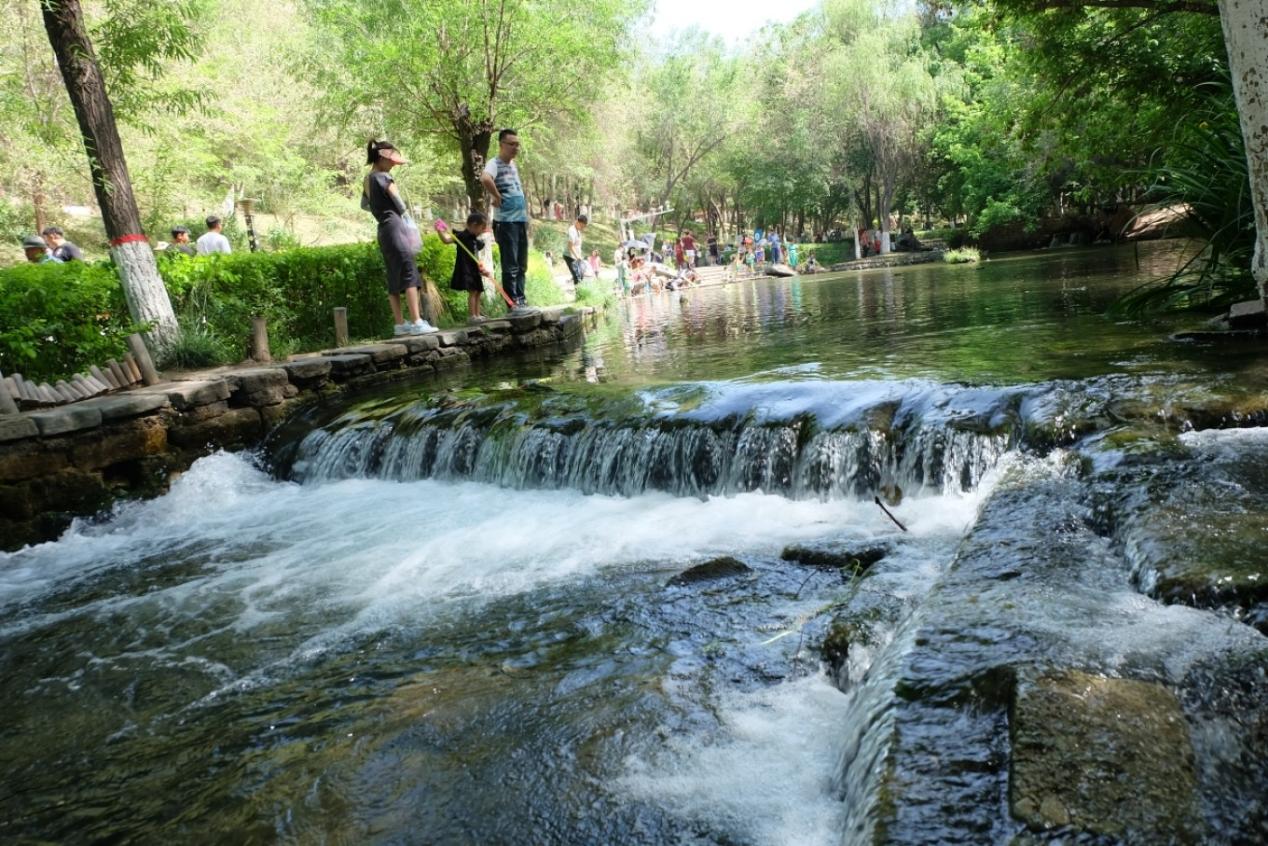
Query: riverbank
[(77, 460)]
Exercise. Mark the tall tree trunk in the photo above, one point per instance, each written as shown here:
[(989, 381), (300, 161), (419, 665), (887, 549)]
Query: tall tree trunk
[(473, 141), (1245, 25), (37, 203), (142, 286)]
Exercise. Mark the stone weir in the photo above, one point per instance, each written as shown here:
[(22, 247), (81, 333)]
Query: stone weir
[(76, 460)]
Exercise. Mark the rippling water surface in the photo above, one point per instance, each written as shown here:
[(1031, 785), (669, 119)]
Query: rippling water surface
[(442, 614)]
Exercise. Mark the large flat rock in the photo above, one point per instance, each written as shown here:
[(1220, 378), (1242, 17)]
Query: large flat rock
[(1106, 756), (14, 427), (307, 370), (419, 343), (186, 395), (253, 379), (130, 404), (68, 418), (343, 365), (379, 353)]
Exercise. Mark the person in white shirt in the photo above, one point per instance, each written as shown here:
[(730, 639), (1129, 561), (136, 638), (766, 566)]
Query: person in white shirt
[(572, 255), (212, 241)]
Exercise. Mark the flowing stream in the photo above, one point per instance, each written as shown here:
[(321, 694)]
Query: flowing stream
[(448, 612)]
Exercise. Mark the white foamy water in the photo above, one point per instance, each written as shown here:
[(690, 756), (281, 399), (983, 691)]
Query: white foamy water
[(369, 552), (766, 776)]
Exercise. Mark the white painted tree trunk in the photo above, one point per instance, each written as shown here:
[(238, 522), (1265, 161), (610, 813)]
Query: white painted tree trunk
[(1245, 25), (145, 292), (858, 247)]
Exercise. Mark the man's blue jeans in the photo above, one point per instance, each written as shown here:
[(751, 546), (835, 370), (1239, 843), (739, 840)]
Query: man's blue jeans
[(512, 238)]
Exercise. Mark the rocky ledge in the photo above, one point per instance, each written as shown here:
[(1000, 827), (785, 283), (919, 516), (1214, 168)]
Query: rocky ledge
[(75, 460)]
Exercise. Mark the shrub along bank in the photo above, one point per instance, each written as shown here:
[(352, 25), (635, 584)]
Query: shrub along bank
[(59, 319)]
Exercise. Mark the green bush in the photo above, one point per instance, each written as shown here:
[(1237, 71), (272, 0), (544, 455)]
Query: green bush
[(996, 213), (60, 318), (964, 255), (597, 294)]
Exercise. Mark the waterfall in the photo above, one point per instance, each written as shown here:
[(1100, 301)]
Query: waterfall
[(684, 458)]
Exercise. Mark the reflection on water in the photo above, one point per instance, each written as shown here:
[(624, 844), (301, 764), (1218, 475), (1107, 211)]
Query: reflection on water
[(1012, 319)]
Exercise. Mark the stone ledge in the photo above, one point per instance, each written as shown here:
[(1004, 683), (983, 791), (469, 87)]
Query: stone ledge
[(123, 406), (15, 427), (67, 418), (186, 395), (349, 364), (378, 353), (255, 379)]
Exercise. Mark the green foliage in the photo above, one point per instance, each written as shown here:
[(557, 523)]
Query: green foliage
[(964, 255), (597, 294), (1205, 169), (996, 213), (199, 346), (60, 318)]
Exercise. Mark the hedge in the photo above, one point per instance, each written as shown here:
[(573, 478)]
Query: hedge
[(58, 319)]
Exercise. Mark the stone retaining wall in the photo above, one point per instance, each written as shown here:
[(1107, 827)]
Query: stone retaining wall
[(77, 459), (891, 260)]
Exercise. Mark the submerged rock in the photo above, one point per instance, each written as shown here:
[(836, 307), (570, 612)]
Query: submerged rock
[(1105, 756), (718, 568), (831, 558)]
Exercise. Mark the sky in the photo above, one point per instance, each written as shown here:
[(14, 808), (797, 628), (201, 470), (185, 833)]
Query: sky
[(730, 19)]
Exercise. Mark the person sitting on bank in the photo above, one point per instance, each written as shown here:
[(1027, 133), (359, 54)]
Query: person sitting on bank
[(59, 247), (908, 242), (37, 251), (469, 274), (180, 241), (213, 240)]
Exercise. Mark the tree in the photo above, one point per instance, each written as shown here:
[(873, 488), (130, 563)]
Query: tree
[(460, 69), (885, 91), (1246, 37), (142, 286), (689, 99)]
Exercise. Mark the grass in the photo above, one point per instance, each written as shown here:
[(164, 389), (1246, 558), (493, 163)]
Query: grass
[(964, 255), (552, 235)]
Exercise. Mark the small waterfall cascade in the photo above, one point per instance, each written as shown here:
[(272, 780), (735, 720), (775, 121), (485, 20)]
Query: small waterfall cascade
[(893, 448)]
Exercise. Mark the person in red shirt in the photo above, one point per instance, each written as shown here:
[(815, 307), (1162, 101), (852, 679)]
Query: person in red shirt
[(689, 248)]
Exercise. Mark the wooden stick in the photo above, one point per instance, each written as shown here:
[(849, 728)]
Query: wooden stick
[(877, 500), (85, 383), (341, 327), (8, 405), (23, 391), (131, 368), (149, 374), (99, 376), (260, 340), (121, 381)]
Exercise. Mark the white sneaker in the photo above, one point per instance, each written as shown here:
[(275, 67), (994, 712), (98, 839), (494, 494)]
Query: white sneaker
[(419, 327), (400, 329)]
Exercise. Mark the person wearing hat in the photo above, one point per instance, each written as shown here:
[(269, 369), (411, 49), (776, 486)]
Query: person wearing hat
[(37, 251), (61, 249), (180, 241), (398, 244)]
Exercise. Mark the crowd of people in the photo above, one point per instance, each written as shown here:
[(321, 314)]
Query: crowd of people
[(52, 247)]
